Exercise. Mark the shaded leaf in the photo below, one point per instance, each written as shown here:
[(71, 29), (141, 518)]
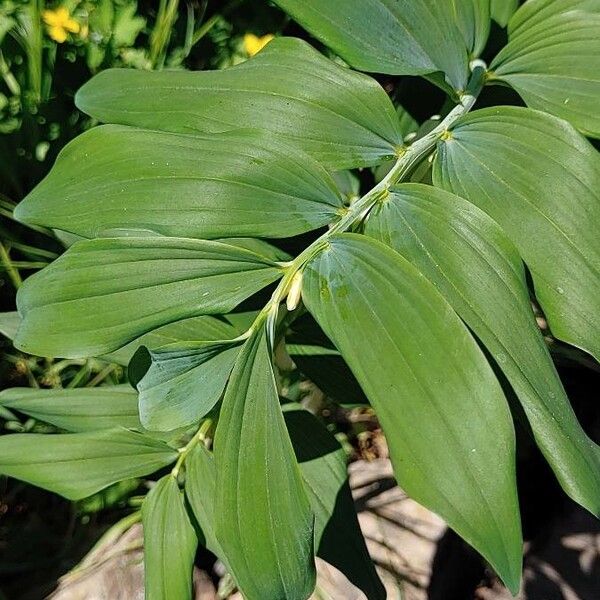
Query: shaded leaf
[(338, 538), (169, 543), (288, 90), (184, 382), (79, 409), (9, 323), (76, 465), (473, 19), (115, 178), (540, 180), (434, 393), (467, 256), (553, 59), (269, 543), (103, 293), (502, 10)]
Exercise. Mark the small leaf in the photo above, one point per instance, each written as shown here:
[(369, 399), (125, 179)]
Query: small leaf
[(473, 19), (169, 543), (414, 37), (540, 180), (9, 323), (502, 10), (338, 538), (103, 293), (288, 90), (468, 257), (79, 409), (184, 382), (553, 59), (433, 391), (115, 178), (264, 521), (76, 465)]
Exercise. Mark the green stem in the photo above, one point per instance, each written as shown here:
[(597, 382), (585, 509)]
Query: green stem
[(12, 271), (199, 436)]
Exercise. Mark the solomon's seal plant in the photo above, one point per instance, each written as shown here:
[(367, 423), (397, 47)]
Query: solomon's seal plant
[(419, 284)]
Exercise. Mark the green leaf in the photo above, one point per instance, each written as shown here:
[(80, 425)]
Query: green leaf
[(288, 90), (200, 490), (473, 19), (338, 538), (468, 257), (433, 391), (116, 178), (540, 180), (184, 382), (553, 59), (415, 37), (264, 521), (9, 323), (76, 465), (103, 293), (79, 409), (187, 330), (502, 10), (169, 543)]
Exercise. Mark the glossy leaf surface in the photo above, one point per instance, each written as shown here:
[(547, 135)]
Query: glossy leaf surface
[(79, 409), (553, 59), (288, 90), (468, 257), (431, 387), (264, 521), (115, 178), (169, 543), (413, 37), (76, 465), (540, 180), (103, 293)]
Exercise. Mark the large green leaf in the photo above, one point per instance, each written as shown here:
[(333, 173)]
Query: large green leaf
[(77, 465), (446, 420), (169, 543), (414, 37), (103, 293), (184, 382), (338, 538), (289, 90), (121, 178), (466, 255), (553, 59), (79, 409), (502, 10), (540, 180), (473, 19), (264, 521)]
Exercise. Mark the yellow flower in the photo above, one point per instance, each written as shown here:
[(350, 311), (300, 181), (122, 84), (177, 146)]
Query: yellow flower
[(59, 24), (254, 44)]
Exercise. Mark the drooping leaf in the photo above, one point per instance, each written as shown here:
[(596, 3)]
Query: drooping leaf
[(205, 327), (79, 409), (553, 59), (169, 543), (264, 521), (9, 323), (414, 37), (288, 90), (115, 178), (468, 257), (338, 538), (540, 180), (200, 490), (502, 10), (431, 387), (473, 19), (184, 382), (76, 465), (103, 293)]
